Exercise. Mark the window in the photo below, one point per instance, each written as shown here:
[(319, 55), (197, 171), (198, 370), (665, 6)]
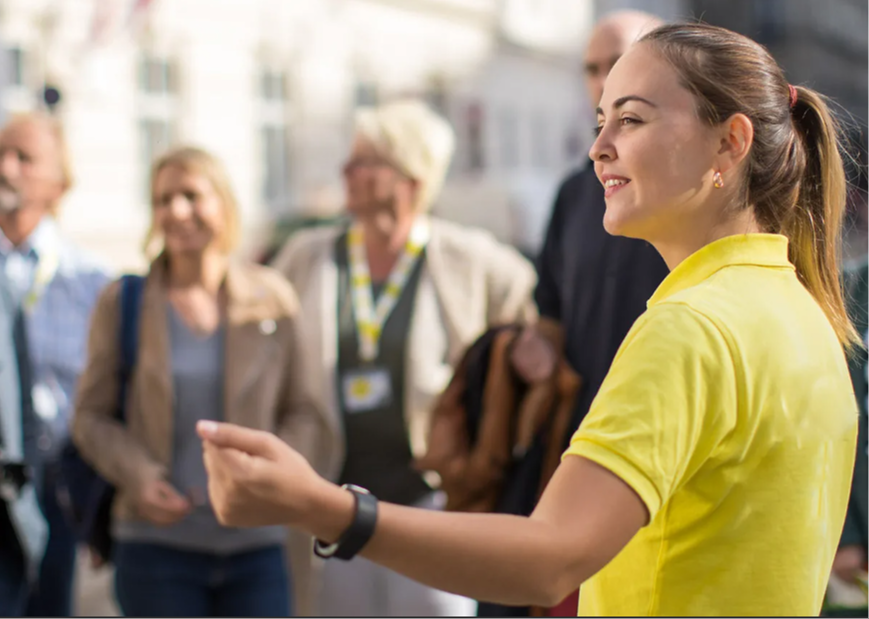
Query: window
[(769, 22), (366, 94), (540, 141), (156, 76), (508, 122), (476, 158), (157, 102), (272, 86), (274, 139), (572, 144), (436, 94), (155, 138), (275, 166), (15, 59)]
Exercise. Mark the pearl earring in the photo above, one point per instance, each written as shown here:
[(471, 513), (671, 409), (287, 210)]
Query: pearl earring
[(717, 180)]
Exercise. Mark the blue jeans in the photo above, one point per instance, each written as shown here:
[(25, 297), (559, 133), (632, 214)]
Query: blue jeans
[(13, 577), (52, 594), (159, 581)]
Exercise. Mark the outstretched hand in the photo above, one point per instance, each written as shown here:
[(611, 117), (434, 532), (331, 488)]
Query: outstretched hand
[(254, 478)]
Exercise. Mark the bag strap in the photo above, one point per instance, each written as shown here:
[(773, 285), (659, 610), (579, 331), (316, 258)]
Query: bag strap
[(131, 302)]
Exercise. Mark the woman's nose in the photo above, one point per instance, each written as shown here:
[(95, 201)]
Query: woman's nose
[(602, 148), (180, 207)]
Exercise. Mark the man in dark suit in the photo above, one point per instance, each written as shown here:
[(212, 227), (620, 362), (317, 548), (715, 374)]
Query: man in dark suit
[(850, 559), (23, 530)]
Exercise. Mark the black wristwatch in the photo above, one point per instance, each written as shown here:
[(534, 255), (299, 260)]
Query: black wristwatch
[(359, 531)]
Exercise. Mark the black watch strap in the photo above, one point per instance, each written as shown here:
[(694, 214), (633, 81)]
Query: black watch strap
[(358, 533)]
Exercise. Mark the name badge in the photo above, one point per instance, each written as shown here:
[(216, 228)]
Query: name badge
[(366, 389)]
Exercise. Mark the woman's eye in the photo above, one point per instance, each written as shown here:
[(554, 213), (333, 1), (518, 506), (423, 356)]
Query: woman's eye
[(627, 120)]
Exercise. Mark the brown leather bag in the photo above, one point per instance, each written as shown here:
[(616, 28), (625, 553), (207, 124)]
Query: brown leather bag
[(512, 414)]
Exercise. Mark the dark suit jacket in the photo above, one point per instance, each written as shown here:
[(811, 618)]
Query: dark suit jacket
[(17, 427), (856, 521), (595, 284)]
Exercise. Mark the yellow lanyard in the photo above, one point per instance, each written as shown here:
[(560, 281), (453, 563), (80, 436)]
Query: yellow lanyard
[(46, 268), (370, 319)]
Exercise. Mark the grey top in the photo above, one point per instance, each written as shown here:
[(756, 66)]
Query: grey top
[(197, 370)]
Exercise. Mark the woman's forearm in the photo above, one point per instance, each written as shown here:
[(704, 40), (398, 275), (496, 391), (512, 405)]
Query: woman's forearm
[(492, 557), (584, 518)]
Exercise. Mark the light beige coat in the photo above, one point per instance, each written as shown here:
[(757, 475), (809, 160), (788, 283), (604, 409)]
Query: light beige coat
[(468, 283)]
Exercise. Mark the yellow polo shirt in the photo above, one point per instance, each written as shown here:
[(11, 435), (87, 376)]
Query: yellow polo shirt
[(730, 412)]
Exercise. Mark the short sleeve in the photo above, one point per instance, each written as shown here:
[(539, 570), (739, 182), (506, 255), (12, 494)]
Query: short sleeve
[(668, 401)]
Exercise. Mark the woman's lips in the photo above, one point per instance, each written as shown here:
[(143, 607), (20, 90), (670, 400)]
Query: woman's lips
[(612, 189)]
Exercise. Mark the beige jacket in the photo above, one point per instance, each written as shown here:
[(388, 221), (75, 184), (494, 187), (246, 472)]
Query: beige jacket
[(264, 388), (469, 282)]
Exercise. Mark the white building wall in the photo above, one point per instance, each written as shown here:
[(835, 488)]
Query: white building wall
[(513, 194), (325, 47), (670, 10)]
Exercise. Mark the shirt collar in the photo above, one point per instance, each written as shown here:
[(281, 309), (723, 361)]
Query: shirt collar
[(764, 250), (44, 238)]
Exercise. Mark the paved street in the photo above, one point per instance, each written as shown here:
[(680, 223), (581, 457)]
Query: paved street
[(94, 596)]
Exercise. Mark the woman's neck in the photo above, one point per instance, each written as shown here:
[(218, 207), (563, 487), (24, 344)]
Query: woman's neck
[(688, 241), (205, 270)]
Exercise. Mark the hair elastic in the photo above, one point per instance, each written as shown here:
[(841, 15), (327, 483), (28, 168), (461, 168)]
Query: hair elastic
[(793, 92)]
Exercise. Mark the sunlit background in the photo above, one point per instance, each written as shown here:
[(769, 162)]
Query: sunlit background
[(271, 86)]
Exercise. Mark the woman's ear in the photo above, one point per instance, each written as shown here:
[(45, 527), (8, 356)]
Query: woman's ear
[(736, 135)]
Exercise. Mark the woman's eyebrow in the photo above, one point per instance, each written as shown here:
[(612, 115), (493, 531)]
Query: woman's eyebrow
[(622, 100)]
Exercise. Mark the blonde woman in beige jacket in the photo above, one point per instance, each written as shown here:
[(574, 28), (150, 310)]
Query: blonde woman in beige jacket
[(218, 339), (389, 303)]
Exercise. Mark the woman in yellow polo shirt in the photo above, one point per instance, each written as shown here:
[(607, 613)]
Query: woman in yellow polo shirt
[(711, 475)]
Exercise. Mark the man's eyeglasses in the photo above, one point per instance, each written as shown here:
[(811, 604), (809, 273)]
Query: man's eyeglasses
[(367, 164)]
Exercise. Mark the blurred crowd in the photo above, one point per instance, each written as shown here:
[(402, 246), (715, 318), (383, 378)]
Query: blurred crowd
[(418, 358)]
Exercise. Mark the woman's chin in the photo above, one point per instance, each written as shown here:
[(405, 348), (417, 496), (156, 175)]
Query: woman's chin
[(186, 248), (613, 225), (616, 224)]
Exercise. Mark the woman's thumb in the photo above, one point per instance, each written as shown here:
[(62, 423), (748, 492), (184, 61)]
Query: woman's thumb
[(251, 442)]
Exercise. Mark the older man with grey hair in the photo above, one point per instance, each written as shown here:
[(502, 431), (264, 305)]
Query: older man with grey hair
[(55, 284)]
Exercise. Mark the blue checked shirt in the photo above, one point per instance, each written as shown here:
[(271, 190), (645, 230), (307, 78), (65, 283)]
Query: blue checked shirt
[(57, 324)]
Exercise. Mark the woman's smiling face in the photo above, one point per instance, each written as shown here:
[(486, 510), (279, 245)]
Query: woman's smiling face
[(653, 154)]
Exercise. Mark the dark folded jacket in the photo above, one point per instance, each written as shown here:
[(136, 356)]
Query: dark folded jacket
[(495, 439)]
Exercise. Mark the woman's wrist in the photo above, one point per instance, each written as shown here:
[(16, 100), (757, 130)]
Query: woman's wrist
[(330, 513)]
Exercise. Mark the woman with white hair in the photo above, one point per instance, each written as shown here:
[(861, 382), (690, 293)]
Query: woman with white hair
[(390, 302)]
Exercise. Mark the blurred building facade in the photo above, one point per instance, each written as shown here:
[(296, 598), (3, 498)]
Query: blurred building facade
[(819, 44), (823, 45), (271, 85)]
